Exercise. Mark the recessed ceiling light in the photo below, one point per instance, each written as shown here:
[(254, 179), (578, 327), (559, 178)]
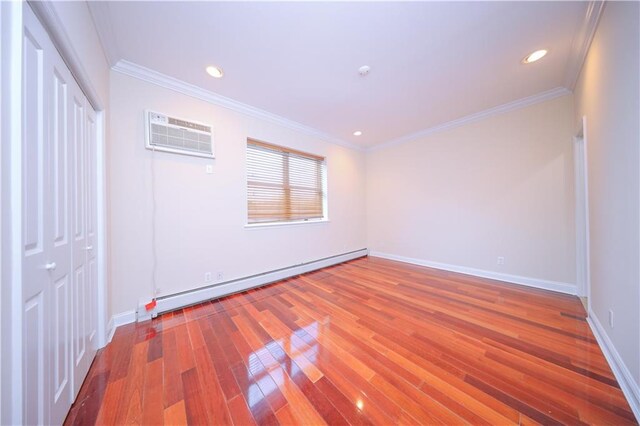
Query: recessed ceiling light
[(215, 71), (357, 133), (538, 54)]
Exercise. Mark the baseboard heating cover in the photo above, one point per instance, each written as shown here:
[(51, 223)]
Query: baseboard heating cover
[(192, 297)]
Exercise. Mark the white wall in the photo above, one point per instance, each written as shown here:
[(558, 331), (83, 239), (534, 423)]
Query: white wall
[(502, 186), (201, 217), (607, 93)]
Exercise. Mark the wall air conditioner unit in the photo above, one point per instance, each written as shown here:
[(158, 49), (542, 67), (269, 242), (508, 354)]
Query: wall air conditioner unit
[(171, 134)]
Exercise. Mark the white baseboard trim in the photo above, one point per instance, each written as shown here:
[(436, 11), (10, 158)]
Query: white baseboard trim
[(514, 279), (629, 386), (119, 319), (187, 298)]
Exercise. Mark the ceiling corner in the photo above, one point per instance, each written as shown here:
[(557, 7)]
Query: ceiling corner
[(582, 41), (496, 110), (101, 19)]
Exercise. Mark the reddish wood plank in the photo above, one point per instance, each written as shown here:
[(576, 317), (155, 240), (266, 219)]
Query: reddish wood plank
[(129, 409), (109, 406), (214, 399), (172, 383), (152, 403), (193, 398), (285, 416), (225, 376), (240, 412), (175, 414)]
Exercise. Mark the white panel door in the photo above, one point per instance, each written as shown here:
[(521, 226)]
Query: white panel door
[(36, 260), (59, 216), (83, 309), (59, 267)]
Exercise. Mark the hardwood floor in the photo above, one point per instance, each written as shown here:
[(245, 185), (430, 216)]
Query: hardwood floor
[(369, 341)]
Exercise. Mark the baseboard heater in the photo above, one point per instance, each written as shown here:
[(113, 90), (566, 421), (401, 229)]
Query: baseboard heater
[(192, 297)]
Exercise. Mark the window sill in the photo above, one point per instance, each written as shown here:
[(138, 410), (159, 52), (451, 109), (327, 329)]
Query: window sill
[(279, 224)]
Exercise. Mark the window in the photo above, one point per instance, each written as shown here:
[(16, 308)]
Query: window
[(284, 185)]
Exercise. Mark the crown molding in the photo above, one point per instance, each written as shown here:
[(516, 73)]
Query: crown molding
[(159, 79), (100, 14), (579, 49), (582, 41), (501, 109)]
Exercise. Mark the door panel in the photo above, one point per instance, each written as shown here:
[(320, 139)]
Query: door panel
[(33, 146), (77, 165), (92, 218), (82, 309), (92, 300), (79, 342), (35, 254), (78, 168), (34, 373), (59, 160), (59, 207), (60, 340)]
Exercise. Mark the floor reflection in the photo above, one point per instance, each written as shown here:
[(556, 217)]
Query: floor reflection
[(280, 361)]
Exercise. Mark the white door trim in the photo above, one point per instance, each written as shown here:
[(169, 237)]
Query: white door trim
[(12, 218), (582, 211), (101, 227)]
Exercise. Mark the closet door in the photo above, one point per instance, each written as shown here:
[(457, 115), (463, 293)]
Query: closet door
[(83, 310), (59, 223), (46, 222)]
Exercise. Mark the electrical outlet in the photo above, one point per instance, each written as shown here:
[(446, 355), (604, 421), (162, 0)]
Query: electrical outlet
[(611, 318), (500, 260), (207, 277), (220, 276), (209, 169)]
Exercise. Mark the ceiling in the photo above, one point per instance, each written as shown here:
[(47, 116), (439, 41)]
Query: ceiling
[(431, 62)]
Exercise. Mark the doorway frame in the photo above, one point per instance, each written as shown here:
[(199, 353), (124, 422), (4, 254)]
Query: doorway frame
[(583, 252)]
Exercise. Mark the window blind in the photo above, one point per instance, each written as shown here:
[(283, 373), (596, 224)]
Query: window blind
[(283, 184)]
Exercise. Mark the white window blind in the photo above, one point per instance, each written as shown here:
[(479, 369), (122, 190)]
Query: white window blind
[(283, 184)]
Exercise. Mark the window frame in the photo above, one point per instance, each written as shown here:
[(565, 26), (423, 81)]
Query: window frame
[(293, 222)]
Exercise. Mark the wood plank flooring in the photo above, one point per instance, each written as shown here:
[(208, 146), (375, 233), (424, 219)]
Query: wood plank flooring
[(369, 341)]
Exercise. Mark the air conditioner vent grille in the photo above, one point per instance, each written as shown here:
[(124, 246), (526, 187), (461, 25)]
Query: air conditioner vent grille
[(178, 136), (189, 125)]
